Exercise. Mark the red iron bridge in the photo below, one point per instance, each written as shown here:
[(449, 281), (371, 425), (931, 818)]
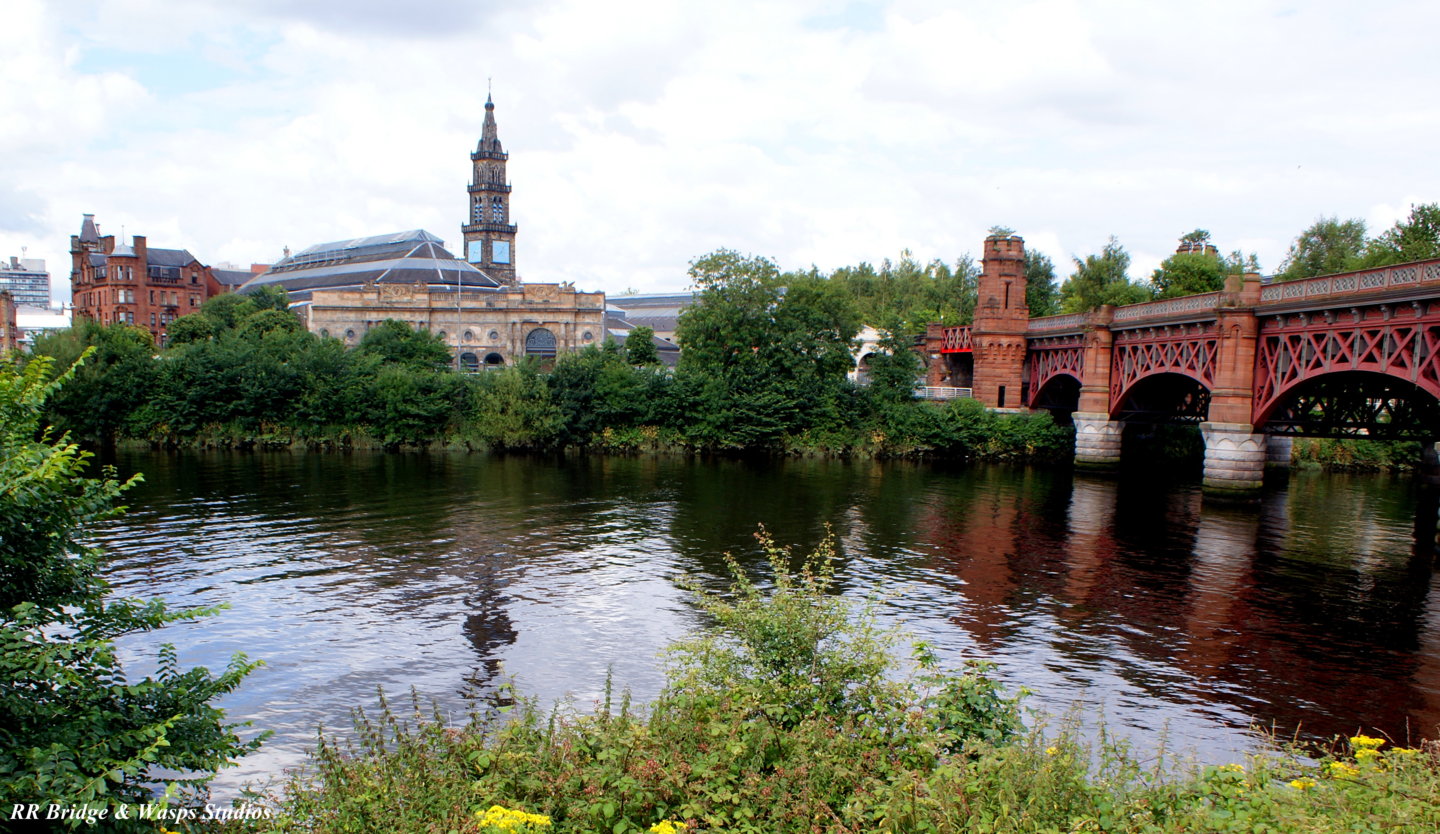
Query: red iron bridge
[(1350, 355)]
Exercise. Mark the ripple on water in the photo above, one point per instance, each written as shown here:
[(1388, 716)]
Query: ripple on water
[(1155, 613)]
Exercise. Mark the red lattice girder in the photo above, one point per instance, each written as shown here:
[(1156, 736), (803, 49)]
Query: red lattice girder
[(1046, 359), (956, 340), (1138, 354), (1295, 349)]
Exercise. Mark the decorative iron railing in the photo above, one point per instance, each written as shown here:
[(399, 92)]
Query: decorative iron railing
[(1167, 307), (1365, 280)]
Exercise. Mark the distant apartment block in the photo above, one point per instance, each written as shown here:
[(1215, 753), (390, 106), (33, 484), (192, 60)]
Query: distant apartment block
[(26, 280)]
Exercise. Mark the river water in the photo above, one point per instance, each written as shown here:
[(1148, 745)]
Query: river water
[(447, 573)]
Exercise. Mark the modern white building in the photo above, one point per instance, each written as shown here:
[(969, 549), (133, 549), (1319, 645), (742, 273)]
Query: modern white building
[(26, 280)]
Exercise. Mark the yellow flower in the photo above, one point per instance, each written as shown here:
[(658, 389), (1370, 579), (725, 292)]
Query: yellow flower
[(505, 819), (1343, 770), (1364, 742), (667, 827), (1403, 751), (1365, 753), (1304, 783), (1051, 751), (1233, 768)]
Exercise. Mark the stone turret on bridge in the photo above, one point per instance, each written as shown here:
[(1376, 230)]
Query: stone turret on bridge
[(1349, 355)]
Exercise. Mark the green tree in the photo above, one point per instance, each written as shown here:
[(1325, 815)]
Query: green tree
[(1328, 246), (1101, 279), (73, 727), (894, 368), (512, 409), (1042, 294), (396, 342), (763, 353), (639, 347), (102, 397), (1416, 238)]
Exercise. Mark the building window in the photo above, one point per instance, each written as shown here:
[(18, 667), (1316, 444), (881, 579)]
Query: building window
[(324, 333), (497, 209), (469, 336), (494, 335), (588, 336), (494, 359), (479, 212), (469, 363), (540, 342), (349, 335), (441, 334)]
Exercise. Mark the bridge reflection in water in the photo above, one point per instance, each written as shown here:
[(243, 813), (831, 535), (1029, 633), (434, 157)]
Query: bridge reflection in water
[(344, 572)]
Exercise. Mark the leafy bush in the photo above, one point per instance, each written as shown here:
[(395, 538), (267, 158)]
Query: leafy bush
[(789, 714), (73, 728)]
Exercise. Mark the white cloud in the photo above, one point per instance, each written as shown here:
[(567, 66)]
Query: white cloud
[(643, 134)]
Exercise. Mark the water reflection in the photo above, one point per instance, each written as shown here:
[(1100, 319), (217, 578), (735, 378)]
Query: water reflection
[(1132, 595)]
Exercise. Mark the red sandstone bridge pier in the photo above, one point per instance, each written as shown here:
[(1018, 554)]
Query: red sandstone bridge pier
[(1347, 355)]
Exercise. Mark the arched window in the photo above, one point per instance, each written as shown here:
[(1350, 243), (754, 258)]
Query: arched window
[(469, 363), (497, 209), (441, 334), (324, 333), (494, 359), (540, 342), (479, 212), (469, 336), (494, 335), (349, 335)]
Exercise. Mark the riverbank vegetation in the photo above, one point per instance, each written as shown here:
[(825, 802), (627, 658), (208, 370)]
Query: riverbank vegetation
[(74, 729), (790, 714), (764, 370)]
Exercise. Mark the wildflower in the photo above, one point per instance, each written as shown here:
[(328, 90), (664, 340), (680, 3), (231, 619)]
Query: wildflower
[(668, 827), (1403, 751), (1364, 742), (1233, 768), (509, 820), (1343, 770), (1304, 783), (1051, 751), (1366, 753)]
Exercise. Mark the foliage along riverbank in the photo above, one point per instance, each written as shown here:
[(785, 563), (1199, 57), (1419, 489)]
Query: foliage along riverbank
[(242, 373), (790, 714)]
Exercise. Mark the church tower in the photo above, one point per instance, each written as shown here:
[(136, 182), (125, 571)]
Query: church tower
[(489, 235)]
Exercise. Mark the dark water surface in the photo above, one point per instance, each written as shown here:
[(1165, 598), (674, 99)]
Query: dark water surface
[(1129, 596)]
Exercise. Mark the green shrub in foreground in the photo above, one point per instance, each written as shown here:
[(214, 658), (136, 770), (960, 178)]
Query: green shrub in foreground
[(788, 714)]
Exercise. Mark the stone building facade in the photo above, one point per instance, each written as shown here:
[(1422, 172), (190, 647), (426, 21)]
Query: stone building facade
[(137, 284), (484, 327)]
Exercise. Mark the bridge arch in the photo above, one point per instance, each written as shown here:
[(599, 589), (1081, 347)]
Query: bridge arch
[(1059, 393), (1349, 403), (1165, 396)]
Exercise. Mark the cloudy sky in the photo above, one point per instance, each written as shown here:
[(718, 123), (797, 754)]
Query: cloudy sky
[(644, 134)]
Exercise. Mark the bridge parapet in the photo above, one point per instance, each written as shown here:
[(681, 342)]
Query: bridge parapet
[(1184, 307), (1069, 322), (1397, 277)]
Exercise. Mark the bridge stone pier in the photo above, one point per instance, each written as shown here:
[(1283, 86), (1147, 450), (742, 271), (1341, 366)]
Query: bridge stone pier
[(1350, 355)]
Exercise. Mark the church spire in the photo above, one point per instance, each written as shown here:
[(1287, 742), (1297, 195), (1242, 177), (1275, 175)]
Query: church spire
[(489, 136)]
